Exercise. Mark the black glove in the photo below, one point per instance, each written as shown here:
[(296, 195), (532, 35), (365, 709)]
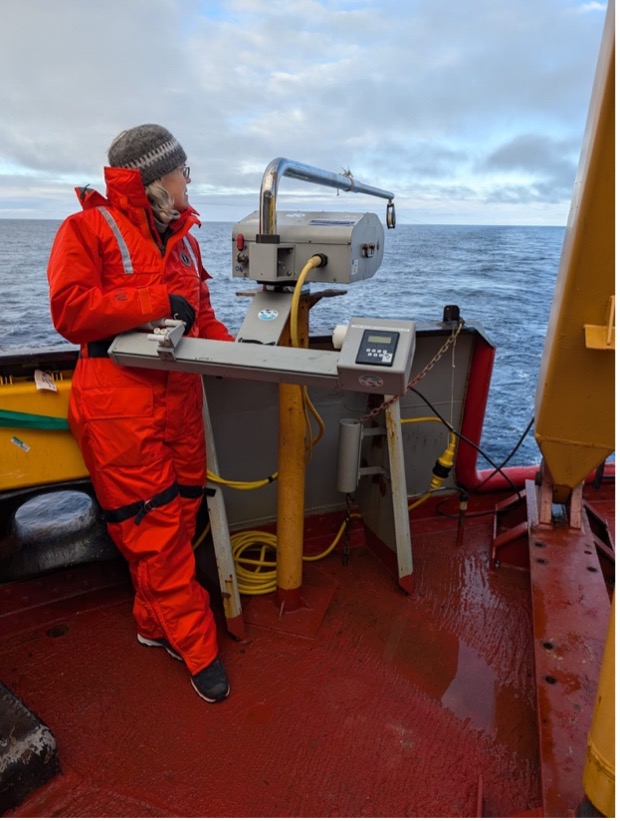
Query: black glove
[(181, 309)]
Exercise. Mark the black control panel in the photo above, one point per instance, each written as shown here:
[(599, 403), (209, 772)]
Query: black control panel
[(377, 347)]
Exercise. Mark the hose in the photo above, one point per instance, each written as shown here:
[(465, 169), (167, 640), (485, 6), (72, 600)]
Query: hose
[(255, 576), (240, 485), (254, 556), (316, 261)]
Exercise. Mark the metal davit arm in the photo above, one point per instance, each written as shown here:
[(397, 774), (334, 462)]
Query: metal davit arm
[(281, 167)]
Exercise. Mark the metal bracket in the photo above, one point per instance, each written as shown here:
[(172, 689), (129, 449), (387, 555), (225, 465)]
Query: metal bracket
[(603, 337), (167, 334), (399, 496)]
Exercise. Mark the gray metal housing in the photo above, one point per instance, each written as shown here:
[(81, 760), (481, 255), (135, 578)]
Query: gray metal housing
[(352, 242)]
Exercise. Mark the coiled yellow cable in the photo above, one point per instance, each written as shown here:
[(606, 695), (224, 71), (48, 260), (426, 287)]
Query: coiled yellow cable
[(255, 563), (256, 574)]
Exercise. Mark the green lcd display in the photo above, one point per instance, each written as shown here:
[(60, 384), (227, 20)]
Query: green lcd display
[(377, 348)]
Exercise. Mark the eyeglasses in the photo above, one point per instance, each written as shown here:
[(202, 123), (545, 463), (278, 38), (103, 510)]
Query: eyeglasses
[(185, 171)]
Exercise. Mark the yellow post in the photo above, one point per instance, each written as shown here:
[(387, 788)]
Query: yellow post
[(575, 415), (291, 490), (291, 483), (599, 773)]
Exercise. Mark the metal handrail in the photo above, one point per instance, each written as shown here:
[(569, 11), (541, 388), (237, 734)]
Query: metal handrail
[(281, 167)]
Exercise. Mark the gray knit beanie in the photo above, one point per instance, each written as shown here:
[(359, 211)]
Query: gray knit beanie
[(150, 148)]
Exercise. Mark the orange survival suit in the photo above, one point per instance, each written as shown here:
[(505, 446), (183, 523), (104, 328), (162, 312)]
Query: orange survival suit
[(140, 431)]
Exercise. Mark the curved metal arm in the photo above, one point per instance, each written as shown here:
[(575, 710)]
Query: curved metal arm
[(281, 167)]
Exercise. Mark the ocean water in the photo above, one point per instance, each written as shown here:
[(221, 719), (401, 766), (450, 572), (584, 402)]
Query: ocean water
[(502, 278)]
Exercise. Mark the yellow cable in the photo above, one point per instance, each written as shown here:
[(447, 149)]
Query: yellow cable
[(252, 577), (313, 262), (238, 484), (442, 466), (256, 574), (419, 500), (202, 536), (420, 419), (317, 417)]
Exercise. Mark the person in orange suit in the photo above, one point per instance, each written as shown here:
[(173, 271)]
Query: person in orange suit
[(124, 260)]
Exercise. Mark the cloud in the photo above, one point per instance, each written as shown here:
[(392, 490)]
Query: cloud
[(547, 162), (409, 96)]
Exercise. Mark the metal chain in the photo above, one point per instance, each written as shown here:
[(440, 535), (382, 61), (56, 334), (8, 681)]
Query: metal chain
[(451, 340)]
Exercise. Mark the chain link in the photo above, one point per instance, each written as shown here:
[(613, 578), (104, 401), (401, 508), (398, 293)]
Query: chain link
[(451, 340)]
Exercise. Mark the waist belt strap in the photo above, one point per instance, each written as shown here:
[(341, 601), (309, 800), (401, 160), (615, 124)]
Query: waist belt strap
[(140, 509), (191, 491), (99, 349)]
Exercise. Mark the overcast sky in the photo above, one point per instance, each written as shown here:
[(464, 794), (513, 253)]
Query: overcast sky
[(471, 111)]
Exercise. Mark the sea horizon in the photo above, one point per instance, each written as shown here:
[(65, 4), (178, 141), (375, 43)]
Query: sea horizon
[(398, 224), (501, 277)]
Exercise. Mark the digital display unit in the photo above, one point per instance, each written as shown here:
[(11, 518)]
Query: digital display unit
[(377, 348)]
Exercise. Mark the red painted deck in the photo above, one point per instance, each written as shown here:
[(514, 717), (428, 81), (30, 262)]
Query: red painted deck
[(389, 706)]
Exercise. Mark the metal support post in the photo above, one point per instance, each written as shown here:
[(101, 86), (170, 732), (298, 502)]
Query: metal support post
[(221, 538), (291, 483), (398, 486), (291, 490)]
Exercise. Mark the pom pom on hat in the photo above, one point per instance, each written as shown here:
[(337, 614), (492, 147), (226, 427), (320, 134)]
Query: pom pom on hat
[(150, 148)]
